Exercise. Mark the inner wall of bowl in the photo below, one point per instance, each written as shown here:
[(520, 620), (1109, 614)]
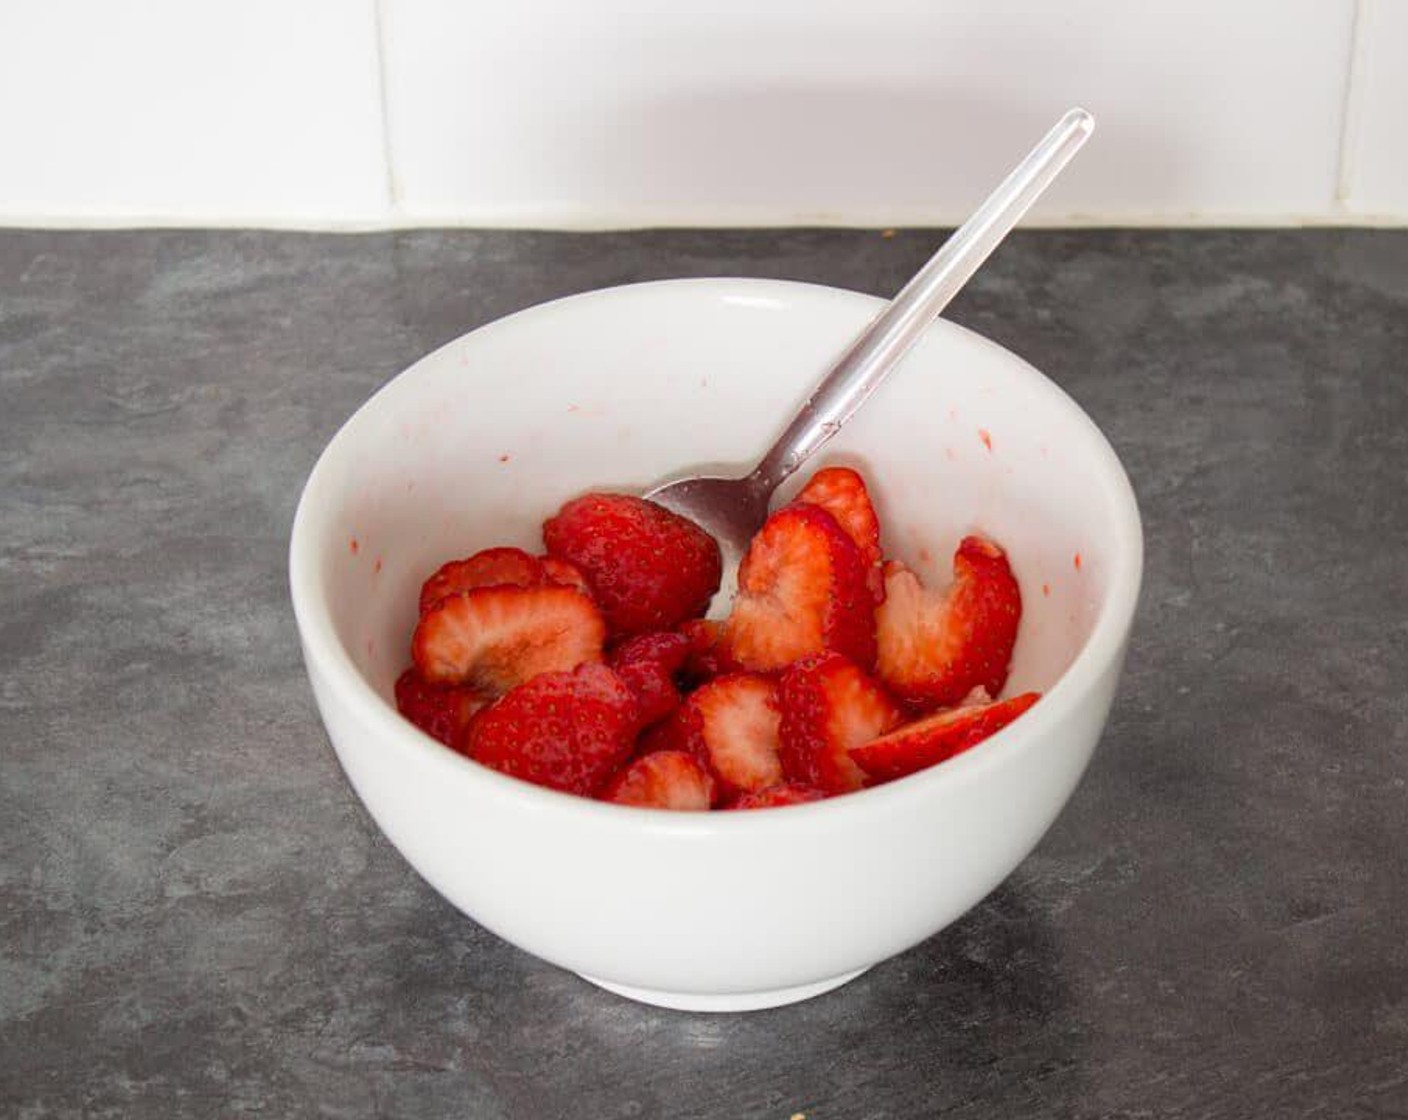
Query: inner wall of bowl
[(482, 440)]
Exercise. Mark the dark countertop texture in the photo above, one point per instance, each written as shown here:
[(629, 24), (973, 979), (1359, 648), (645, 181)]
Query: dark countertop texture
[(199, 919)]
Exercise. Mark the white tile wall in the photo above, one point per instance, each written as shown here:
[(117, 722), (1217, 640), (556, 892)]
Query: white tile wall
[(214, 110), (1376, 142), (631, 112), (889, 110)]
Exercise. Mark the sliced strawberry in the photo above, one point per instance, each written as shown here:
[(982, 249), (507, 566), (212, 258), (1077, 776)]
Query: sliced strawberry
[(829, 706), (842, 493), (568, 575), (648, 663), (441, 711), (933, 647), (662, 780), (775, 797), (568, 731), (489, 568), (494, 638), (936, 738), (730, 725), (705, 660), (801, 590), (648, 568)]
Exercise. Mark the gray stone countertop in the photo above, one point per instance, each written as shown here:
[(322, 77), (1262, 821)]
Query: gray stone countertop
[(197, 918)]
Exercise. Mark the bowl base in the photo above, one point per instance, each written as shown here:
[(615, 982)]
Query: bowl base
[(732, 1001)]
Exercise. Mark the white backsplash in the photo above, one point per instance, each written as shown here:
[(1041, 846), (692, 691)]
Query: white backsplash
[(587, 113), (1375, 164)]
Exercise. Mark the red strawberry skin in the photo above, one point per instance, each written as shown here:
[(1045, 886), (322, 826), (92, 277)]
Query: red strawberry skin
[(843, 494), (649, 663), (568, 575), (663, 780), (495, 638), (730, 725), (829, 705), (488, 568), (441, 711), (934, 739), (567, 731), (706, 658), (934, 648), (801, 590), (775, 797), (648, 568)]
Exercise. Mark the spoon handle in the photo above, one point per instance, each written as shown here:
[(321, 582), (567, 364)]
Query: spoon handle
[(882, 344)]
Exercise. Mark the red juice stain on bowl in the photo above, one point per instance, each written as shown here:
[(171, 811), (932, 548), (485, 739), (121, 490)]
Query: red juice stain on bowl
[(986, 437), (353, 547), (1077, 561), (505, 457), (376, 567), (1046, 590)]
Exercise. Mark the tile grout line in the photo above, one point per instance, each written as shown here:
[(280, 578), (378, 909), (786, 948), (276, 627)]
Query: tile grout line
[(393, 194), (1351, 121)]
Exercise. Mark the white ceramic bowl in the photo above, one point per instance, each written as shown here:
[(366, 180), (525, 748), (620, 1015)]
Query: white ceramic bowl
[(477, 443)]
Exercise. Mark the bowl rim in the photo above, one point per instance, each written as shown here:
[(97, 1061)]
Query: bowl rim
[(325, 653)]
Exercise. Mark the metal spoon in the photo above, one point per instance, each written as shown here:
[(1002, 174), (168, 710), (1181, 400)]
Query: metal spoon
[(733, 509)]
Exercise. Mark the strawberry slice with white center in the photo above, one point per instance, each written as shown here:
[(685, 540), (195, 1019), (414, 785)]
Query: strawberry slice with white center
[(801, 590), (919, 745), (934, 647), (829, 706), (842, 493), (731, 726), (663, 780), (495, 638)]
